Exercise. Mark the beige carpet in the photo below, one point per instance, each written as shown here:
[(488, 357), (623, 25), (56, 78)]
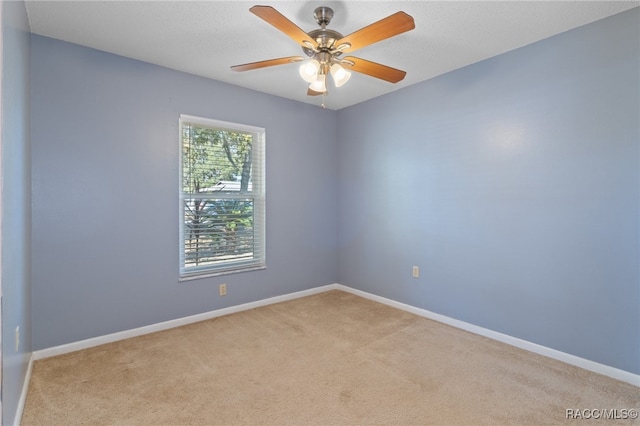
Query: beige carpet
[(328, 359)]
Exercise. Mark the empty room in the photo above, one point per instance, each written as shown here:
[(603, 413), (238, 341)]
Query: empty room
[(320, 213)]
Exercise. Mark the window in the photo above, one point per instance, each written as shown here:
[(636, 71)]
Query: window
[(222, 197)]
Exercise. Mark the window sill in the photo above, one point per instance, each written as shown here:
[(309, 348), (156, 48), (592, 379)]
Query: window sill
[(197, 276)]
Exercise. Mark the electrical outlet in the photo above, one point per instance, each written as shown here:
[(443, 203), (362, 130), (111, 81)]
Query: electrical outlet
[(223, 289), (17, 338), (416, 272)]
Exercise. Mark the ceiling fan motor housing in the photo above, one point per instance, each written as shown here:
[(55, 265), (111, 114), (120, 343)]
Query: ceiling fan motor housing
[(325, 39), (324, 36)]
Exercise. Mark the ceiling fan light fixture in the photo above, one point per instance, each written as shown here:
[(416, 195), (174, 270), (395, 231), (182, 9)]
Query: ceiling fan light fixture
[(325, 46), (339, 74), (319, 85), (309, 70)]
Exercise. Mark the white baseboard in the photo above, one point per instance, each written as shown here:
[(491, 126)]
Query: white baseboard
[(126, 334), (593, 366), (616, 373), (25, 391)]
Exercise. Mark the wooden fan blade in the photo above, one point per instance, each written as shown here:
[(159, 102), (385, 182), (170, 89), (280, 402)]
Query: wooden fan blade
[(313, 93), (279, 21), (268, 63), (390, 26), (374, 69)]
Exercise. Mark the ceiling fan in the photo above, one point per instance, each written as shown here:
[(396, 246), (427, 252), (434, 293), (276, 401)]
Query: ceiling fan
[(324, 48)]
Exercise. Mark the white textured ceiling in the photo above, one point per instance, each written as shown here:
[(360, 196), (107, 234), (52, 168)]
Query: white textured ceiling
[(206, 38)]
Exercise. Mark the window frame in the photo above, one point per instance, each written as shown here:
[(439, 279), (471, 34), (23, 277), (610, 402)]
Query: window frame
[(257, 194)]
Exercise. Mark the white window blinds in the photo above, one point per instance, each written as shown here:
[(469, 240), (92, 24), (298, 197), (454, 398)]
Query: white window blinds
[(222, 197)]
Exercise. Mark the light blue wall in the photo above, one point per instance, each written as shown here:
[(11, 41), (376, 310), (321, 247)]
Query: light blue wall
[(514, 185), (16, 205), (105, 193)]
